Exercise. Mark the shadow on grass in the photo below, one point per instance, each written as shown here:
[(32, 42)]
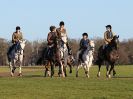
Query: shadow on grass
[(122, 77), (32, 76)]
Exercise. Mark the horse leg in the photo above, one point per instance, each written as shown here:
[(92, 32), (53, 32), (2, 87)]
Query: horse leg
[(46, 72), (99, 68), (77, 71), (61, 69), (86, 68), (70, 66), (20, 65), (114, 72), (64, 69), (20, 71), (107, 69), (77, 68), (11, 68), (112, 66), (52, 68)]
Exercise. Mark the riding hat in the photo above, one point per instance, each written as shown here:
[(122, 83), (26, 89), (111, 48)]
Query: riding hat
[(62, 23), (85, 34), (18, 28), (52, 28), (109, 26)]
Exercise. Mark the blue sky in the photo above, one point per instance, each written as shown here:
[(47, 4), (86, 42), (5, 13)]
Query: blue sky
[(91, 16)]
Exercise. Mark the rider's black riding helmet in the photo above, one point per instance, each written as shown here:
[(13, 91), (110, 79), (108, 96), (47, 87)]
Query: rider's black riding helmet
[(109, 26), (62, 23), (18, 28), (52, 28), (85, 34)]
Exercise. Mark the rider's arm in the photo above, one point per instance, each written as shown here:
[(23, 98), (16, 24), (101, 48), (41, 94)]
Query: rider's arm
[(49, 38), (58, 33), (13, 38)]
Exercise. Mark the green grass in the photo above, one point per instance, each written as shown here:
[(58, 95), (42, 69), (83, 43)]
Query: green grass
[(34, 86)]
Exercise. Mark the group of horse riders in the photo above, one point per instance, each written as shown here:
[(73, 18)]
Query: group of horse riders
[(61, 34)]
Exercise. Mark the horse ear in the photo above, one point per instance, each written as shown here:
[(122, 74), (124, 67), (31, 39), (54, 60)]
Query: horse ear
[(118, 36), (24, 41)]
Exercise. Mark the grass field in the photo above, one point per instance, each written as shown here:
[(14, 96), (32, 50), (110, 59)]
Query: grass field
[(34, 86)]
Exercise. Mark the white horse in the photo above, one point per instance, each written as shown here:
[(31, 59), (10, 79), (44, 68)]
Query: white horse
[(64, 57), (64, 51), (87, 58), (16, 57)]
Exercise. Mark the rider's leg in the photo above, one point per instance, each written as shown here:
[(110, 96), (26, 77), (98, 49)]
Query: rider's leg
[(69, 49), (16, 47), (107, 68), (82, 52)]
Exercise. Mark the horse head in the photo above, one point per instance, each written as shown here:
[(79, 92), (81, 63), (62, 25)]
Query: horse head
[(22, 44), (115, 41), (91, 45)]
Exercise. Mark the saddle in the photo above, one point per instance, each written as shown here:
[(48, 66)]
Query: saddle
[(14, 48)]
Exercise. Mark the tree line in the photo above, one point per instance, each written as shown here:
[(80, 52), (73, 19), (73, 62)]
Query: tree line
[(33, 50)]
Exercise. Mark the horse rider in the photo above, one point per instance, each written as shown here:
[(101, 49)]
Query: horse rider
[(62, 35), (52, 35), (16, 37), (84, 43), (108, 36)]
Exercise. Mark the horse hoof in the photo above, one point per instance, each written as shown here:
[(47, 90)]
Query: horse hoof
[(76, 75), (12, 75), (98, 75), (87, 76), (20, 74), (63, 75), (109, 76)]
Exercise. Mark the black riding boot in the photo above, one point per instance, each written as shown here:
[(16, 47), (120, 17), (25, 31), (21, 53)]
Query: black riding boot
[(69, 49), (82, 52)]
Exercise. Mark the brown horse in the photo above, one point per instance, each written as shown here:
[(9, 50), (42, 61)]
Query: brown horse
[(70, 61), (55, 57), (109, 55)]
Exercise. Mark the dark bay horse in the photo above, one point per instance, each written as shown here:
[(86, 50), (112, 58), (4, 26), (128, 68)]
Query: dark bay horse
[(109, 55), (70, 61), (54, 56), (45, 60)]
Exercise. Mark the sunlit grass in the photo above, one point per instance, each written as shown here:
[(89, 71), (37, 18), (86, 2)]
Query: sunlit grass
[(34, 86)]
